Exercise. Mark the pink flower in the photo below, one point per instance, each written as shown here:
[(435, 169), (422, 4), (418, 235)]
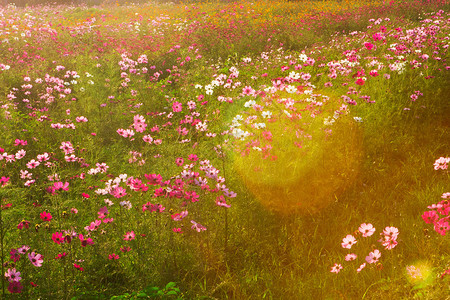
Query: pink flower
[(366, 229), (348, 241), (113, 256), (441, 226), (58, 238), (36, 259), (85, 195), (179, 161), (129, 236), (391, 232), (336, 268), (430, 216), (373, 256), (119, 192), (220, 201), (177, 106), (78, 267), (361, 267), (350, 257), (198, 227), (45, 216), (179, 216), (85, 241), (33, 164), (12, 275), (388, 243)]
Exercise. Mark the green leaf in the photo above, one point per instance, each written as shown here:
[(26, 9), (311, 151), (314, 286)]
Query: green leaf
[(170, 285), (171, 293)]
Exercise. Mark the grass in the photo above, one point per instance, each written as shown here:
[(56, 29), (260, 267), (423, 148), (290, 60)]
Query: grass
[(306, 118)]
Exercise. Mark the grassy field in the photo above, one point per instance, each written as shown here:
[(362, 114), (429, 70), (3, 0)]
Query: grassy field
[(247, 150)]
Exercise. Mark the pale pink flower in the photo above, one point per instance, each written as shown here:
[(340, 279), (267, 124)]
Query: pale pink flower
[(373, 256), (361, 267), (336, 268), (348, 241), (366, 229), (350, 257)]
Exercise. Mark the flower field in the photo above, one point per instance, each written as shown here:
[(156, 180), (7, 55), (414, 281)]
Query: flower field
[(246, 150)]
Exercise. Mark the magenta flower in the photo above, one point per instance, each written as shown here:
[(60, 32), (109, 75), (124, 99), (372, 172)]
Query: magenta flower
[(45, 216), (113, 256), (57, 237), (14, 255), (15, 287), (36, 259), (369, 46)]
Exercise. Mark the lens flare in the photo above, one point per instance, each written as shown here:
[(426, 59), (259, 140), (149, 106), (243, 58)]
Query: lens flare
[(308, 164)]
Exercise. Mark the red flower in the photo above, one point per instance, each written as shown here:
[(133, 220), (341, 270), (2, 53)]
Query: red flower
[(85, 195)]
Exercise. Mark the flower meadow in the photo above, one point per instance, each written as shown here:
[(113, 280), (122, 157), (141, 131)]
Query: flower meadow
[(246, 150)]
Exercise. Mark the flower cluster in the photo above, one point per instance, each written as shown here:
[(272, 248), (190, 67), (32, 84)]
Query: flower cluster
[(388, 240)]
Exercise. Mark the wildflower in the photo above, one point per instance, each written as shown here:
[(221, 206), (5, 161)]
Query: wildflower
[(220, 201), (391, 232), (85, 241), (45, 216), (58, 238), (119, 192), (179, 161), (430, 216), (198, 227), (113, 256), (350, 257), (129, 236), (441, 226), (361, 267), (12, 275), (15, 287), (366, 229), (23, 249), (85, 195), (61, 255), (36, 259), (373, 256), (348, 241), (177, 106), (78, 267), (360, 81), (125, 249), (336, 268)]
